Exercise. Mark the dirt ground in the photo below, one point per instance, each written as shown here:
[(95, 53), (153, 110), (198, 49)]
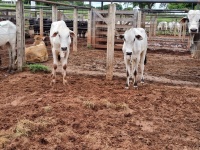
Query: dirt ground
[(91, 113)]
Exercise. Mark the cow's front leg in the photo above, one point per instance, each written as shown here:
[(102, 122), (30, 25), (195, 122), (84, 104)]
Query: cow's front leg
[(14, 57), (143, 61), (135, 63), (55, 65), (64, 67), (128, 71)]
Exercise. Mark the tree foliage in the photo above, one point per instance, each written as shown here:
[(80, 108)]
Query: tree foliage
[(105, 7), (141, 5), (181, 5)]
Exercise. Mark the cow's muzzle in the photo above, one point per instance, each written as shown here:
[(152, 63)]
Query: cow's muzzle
[(193, 30), (64, 48), (128, 53)]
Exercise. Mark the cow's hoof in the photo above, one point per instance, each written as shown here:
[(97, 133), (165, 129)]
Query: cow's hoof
[(53, 82), (64, 82), (135, 87), (127, 87)]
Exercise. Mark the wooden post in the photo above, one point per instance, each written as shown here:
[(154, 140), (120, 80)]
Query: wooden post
[(75, 29), (20, 34), (41, 22), (155, 25), (151, 29), (135, 15), (139, 19), (89, 29), (110, 41), (54, 13), (93, 28), (143, 18)]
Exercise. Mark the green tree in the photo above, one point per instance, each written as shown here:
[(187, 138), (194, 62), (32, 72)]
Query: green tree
[(141, 5), (181, 5), (105, 7)]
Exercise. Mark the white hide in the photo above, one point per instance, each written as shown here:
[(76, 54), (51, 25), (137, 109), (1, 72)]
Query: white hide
[(60, 41), (162, 25), (134, 49), (194, 18), (171, 26), (174, 26), (178, 26), (8, 35)]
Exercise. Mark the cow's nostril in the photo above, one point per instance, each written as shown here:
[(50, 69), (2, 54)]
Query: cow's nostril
[(63, 48), (128, 53), (193, 30)]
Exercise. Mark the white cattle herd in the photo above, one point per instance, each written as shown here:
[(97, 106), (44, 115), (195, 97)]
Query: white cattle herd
[(134, 46), (170, 26)]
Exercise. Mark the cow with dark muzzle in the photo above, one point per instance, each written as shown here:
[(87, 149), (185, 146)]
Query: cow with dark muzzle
[(60, 38), (193, 19), (134, 49)]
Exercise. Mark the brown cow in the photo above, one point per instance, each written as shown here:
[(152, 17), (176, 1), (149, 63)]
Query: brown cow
[(37, 52)]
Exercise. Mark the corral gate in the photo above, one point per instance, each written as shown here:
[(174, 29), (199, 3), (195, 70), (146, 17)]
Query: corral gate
[(125, 19), (99, 25)]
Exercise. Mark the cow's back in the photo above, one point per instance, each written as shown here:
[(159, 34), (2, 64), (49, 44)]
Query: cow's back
[(8, 32)]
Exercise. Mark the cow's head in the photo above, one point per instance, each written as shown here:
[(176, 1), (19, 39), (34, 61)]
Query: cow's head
[(193, 19), (38, 39), (65, 38), (130, 38)]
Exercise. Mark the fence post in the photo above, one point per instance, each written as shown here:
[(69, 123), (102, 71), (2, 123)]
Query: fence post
[(93, 28), (135, 16), (143, 18), (75, 28), (139, 19), (54, 13), (110, 41), (20, 34), (89, 29), (41, 22)]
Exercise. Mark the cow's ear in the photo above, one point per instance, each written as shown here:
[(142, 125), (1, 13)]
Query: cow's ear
[(54, 34), (120, 36), (139, 37), (72, 34), (184, 20), (43, 38)]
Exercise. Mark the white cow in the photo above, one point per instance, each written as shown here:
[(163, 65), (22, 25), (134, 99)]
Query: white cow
[(60, 38), (8, 36), (162, 25), (171, 26), (134, 49), (193, 18)]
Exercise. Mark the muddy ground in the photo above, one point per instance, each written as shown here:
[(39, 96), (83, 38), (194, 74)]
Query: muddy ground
[(91, 113)]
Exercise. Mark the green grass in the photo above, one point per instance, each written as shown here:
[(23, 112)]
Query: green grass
[(38, 68)]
